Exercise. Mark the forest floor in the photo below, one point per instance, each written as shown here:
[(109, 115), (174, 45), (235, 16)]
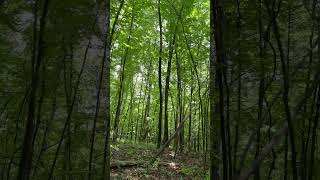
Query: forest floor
[(130, 161)]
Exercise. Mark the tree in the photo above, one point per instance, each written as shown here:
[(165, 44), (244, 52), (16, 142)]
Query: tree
[(106, 155), (250, 110), (25, 164), (159, 77)]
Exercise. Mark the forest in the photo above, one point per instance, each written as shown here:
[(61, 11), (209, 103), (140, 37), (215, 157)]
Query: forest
[(159, 89)]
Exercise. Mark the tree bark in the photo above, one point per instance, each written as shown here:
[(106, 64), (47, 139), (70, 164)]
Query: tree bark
[(25, 164), (285, 73), (316, 119), (216, 69), (160, 78), (107, 48), (69, 115), (281, 132)]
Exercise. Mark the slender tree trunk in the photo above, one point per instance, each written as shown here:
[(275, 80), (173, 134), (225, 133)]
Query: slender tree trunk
[(144, 89), (115, 22), (194, 65), (46, 132), (179, 107), (122, 77), (146, 123), (273, 162), (237, 123), (281, 132), (228, 134), (316, 120), (107, 48), (285, 73), (190, 109), (130, 121), (159, 78), (215, 47), (25, 164), (138, 114), (40, 104), (20, 114), (167, 85), (5, 105), (314, 138), (198, 78), (67, 67), (96, 114), (261, 88), (305, 145), (69, 115)]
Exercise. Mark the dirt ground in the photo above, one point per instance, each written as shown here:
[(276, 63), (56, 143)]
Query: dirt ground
[(182, 166)]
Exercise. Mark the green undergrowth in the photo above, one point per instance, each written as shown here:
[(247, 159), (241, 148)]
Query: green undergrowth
[(183, 165)]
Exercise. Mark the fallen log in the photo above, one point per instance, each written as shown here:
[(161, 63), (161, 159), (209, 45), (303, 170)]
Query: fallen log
[(131, 164), (126, 164)]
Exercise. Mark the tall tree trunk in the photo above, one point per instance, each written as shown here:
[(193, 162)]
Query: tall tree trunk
[(194, 65), (25, 164), (146, 118), (40, 104), (167, 86), (285, 73), (228, 133), (216, 48), (115, 22), (107, 48), (96, 114), (171, 49), (46, 132), (69, 115), (166, 99), (314, 138), (138, 114), (236, 137), (67, 68), (311, 46), (281, 132), (179, 107), (122, 77), (190, 109), (130, 121), (316, 119), (273, 162), (160, 78), (261, 92)]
